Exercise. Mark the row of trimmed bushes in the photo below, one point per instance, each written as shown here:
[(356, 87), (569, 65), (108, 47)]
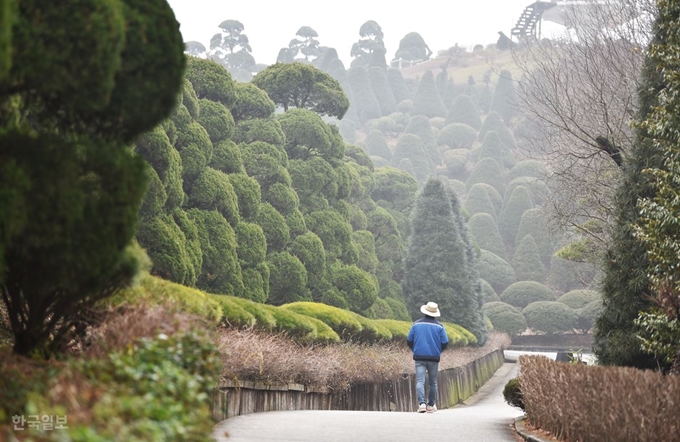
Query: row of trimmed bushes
[(587, 403), (305, 321)]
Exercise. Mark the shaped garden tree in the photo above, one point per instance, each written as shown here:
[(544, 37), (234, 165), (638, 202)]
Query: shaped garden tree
[(88, 93)]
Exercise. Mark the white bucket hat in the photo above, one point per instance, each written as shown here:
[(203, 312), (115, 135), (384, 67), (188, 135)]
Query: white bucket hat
[(430, 309)]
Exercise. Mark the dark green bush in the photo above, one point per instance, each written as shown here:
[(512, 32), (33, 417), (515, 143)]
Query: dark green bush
[(496, 271), (512, 393), (523, 293), (577, 299), (483, 228), (216, 119), (505, 318), (287, 279), (550, 317), (457, 136)]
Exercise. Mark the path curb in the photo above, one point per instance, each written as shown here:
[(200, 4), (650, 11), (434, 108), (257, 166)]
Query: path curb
[(524, 433)]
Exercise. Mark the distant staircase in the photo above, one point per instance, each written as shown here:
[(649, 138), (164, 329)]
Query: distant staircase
[(529, 23)]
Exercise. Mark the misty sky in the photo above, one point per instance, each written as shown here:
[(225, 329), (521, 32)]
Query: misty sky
[(270, 25)]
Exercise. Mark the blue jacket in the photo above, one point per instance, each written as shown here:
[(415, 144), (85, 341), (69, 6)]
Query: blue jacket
[(427, 338)]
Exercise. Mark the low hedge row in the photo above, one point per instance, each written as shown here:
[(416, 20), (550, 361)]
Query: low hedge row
[(305, 321)]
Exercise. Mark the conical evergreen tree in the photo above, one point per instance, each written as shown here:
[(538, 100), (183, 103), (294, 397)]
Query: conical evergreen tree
[(488, 171), (398, 85), (494, 122), (519, 202), (436, 267), (626, 288), (478, 201), (492, 147), (376, 144), (484, 230), (527, 261), (382, 90), (367, 106), (420, 126), (427, 100), (410, 147), (533, 223), (463, 111), (504, 97)]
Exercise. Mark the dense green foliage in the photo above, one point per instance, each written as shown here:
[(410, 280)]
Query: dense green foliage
[(76, 94), (550, 317), (438, 265), (523, 293), (505, 318)]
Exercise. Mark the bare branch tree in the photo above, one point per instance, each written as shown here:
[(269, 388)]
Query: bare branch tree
[(578, 96)]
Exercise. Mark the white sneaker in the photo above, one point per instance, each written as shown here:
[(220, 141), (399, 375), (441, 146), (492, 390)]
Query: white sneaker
[(422, 408), (431, 408)]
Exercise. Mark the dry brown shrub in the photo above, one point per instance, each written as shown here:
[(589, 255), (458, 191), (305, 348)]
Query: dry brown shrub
[(276, 359), (591, 403), (126, 324)]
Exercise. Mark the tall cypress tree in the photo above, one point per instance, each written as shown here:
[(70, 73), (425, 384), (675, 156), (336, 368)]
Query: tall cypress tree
[(438, 266), (427, 100), (626, 288)]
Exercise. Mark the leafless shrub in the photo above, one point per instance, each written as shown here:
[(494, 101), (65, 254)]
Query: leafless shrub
[(276, 359), (583, 403)]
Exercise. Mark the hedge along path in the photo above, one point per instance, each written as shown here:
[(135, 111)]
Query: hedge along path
[(306, 322), (583, 403)]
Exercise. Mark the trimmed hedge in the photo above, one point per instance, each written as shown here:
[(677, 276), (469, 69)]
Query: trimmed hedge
[(579, 298), (523, 293), (550, 317), (505, 318)]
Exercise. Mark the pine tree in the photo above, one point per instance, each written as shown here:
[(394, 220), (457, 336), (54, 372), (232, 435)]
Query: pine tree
[(437, 266), (626, 288)]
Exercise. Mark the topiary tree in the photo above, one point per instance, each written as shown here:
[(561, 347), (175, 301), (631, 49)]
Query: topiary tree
[(488, 293), (370, 49), (412, 48), (483, 229), (216, 119), (487, 171), (568, 275), (247, 192), (287, 279), (528, 168), (464, 112), (251, 244), (376, 144), (493, 122), (410, 147), (398, 85), (251, 102), (493, 148), (166, 245), (85, 90), (283, 198), (259, 129), (505, 97), (262, 161), (527, 261), (357, 287), (211, 81), (307, 135), (381, 89), (550, 317), (420, 126), (438, 247), (363, 97), (483, 198), (534, 223), (496, 271), (426, 100), (587, 315), (456, 161), (396, 187), (335, 233), (212, 190), (156, 149), (523, 293), (304, 87), (457, 136), (309, 249), (577, 299), (274, 227), (505, 318), (220, 271), (519, 202)]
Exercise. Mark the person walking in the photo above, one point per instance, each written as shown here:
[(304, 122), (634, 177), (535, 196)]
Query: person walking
[(427, 338)]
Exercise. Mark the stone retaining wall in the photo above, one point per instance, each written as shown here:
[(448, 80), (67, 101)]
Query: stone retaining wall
[(454, 386)]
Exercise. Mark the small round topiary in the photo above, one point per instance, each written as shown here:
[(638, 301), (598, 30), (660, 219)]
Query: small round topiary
[(512, 393), (505, 318), (523, 293), (550, 317), (579, 298)]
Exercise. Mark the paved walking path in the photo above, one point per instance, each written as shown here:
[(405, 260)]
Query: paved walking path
[(484, 417)]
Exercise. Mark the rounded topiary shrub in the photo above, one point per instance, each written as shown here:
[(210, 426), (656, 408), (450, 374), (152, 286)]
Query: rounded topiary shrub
[(505, 318), (455, 161), (587, 315), (512, 393), (483, 228), (496, 271), (488, 293), (523, 293), (579, 298), (488, 171), (528, 168), (527, 261), (550, 317), (457, 136)]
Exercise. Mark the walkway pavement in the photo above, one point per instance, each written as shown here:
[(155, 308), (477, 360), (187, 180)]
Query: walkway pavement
[(483, 417)]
